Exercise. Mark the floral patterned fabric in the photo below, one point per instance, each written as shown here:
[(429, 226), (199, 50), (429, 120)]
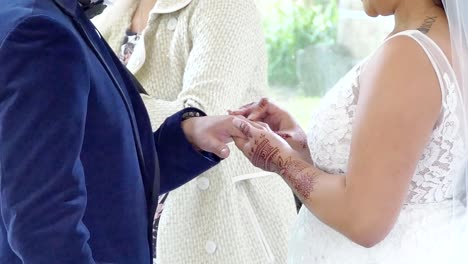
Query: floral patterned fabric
[(130, 41)]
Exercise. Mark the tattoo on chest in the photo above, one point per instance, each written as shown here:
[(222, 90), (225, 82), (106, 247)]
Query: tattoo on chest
[(427, 25), (296, 172)]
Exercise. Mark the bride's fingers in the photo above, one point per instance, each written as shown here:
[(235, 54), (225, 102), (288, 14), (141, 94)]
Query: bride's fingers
[(238, 112), (260, 110), (243, 110), (265, 126), (253, 111), (247, 105), (257, 124), (257, 114), (249, 128)]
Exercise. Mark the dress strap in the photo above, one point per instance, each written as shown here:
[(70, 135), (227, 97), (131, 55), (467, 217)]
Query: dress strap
[(440, 63)]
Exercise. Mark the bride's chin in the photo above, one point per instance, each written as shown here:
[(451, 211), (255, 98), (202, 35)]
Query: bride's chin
[(368, 10), (371, 14)]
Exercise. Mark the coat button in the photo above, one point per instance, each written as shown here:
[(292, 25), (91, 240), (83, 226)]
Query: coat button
[(203, 183), (172, 24), (210, 247)]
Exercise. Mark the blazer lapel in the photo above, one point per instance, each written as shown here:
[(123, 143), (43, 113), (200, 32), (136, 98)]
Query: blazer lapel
[(104, 54), (69, 7)]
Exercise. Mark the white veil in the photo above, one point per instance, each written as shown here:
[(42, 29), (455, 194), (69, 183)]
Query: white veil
[(457, 14)]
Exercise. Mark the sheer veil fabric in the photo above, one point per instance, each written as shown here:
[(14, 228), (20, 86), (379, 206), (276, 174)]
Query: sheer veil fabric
[(457, 14)]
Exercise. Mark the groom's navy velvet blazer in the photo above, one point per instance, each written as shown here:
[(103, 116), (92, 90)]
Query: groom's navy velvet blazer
[(79, 171)]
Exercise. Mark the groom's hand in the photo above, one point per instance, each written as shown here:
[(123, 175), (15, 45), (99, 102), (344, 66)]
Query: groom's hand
[(211, 133)]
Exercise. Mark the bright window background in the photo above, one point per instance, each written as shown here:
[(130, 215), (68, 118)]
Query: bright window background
[(311, 44)]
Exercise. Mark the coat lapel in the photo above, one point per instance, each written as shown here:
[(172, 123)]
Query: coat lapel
[(116, 19), (170, 6)]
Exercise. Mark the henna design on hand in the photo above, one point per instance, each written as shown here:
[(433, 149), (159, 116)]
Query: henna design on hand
[(297, 174), (302, 137), (283, 135), (264, 154), (295, 171)]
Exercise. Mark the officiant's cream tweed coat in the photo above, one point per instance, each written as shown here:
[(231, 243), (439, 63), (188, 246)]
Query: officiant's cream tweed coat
[(208, 54)]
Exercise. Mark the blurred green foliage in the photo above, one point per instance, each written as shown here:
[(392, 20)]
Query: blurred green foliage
[(291, 26)]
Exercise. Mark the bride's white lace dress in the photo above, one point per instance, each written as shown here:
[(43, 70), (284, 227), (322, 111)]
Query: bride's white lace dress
[(420, 234)]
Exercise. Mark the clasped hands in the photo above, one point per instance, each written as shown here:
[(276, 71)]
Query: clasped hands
[(262, 131)]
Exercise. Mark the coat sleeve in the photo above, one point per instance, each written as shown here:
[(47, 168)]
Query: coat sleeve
[(179, 162), (227, 60), (44, 87)]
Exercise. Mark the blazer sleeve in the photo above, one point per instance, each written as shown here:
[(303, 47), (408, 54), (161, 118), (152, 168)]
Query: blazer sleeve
[(227, 60), (179, 162), (44, 87)]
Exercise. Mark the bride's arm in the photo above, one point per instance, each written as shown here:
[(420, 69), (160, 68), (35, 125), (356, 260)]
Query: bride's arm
[(399, 104)]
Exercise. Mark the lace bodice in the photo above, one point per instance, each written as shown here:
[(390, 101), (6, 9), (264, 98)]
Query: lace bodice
[(421, 233), (330, 138)]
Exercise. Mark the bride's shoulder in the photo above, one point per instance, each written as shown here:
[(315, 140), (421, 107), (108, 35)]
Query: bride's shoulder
[(401, 59), (400, 70)]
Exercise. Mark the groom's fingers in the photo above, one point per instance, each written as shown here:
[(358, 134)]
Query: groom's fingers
[(243, 126), (241, 144), (231, 131), (218, 148)]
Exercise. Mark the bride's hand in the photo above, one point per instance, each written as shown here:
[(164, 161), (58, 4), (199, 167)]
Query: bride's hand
[(280, 121), (264, 148)]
